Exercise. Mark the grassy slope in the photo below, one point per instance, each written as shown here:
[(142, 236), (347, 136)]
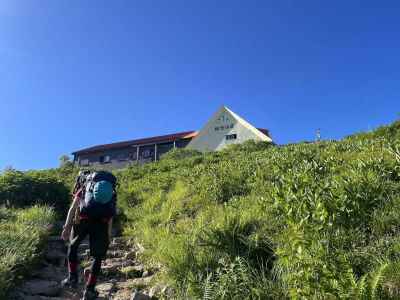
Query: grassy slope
[(256, 221), (22, 233)]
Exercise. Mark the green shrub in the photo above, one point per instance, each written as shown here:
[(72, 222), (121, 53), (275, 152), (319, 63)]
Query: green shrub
[(22, 233), (255, 221), (23, 189), (179, 154)]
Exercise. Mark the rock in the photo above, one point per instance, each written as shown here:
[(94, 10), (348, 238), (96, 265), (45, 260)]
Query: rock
[(112, 269), (16, 295), (105, 289), (119, 243), (118, 240), (133, 271), (142, 281), (30, 297), (56, 251), (116, 254), (156, 290), (122, 295), (84, 255), (116, 262), (56, 242), (140, 296), (114, 265), (130, 255), (140, 248), (55, 257), (147, 273), (167, 292), (48, 272), (42, 287), (161, 290), (131, 283), (83, 246)]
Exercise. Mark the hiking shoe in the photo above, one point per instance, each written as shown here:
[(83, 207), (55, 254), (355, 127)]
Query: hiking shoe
[(90, 294), (70, 282)]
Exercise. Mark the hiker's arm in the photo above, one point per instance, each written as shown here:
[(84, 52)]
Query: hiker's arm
[(71, 213), (68, 222)]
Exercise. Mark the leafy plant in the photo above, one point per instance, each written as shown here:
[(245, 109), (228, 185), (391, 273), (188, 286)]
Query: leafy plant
[(22, 233)]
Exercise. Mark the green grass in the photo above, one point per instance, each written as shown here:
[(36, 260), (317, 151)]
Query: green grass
[(22, 233), (255, 221)]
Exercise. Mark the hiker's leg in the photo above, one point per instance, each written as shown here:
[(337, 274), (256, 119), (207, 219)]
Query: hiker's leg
[(80, 231), (98, 238), (94, 273)]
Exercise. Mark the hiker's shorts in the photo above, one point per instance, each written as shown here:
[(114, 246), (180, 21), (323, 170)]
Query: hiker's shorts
[(98, 237)]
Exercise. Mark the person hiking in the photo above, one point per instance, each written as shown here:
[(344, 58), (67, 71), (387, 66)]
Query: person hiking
[(91, 214)]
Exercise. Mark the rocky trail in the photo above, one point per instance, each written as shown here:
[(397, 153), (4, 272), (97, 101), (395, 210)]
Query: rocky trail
[(122, 276)]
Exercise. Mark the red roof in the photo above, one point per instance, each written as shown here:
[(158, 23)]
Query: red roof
[(152, 140), (156, 139)]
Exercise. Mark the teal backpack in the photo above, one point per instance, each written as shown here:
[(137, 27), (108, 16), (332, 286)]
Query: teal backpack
[(100, 195)]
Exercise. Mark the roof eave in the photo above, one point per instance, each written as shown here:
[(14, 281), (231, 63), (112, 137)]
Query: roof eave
[(135, 143)]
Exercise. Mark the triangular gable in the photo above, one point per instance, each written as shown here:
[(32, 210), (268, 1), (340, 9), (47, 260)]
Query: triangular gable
[(223, 125)]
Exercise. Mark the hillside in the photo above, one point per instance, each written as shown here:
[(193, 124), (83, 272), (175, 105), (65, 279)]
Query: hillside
[(256, 221)]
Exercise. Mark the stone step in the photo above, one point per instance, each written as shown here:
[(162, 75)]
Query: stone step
[(56, 258), (116, 253), (49, 272), (41, 287), (84, 246), (121, 274), (113, 267), (37, 297), (105, 289)]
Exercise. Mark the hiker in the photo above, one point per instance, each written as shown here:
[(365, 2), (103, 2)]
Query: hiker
[(91, 213)]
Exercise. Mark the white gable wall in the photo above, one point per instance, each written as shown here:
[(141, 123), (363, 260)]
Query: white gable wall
[(225, 122)]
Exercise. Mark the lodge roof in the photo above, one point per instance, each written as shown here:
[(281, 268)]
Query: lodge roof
[(144, 141), (151, 140)]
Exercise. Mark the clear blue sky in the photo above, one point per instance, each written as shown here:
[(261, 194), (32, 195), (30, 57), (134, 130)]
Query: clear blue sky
[(79, 73)]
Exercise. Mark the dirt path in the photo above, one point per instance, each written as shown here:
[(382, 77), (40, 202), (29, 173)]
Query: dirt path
[(122, 278)]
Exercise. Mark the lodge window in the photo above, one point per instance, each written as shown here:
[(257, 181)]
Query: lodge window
[(84, 162), (122, 157), (231, 137), (146, 153), (105, 159)]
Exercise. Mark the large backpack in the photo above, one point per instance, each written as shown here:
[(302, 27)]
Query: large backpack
[(100, 196)]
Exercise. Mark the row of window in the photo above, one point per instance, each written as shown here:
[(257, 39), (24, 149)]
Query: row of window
[(104, 159), (84, 162)]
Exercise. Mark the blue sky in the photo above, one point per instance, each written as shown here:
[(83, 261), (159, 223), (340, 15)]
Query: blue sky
[(79, 73)]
